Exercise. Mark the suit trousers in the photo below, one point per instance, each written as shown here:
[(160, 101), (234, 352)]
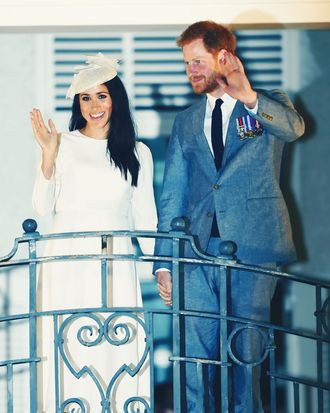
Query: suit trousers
[(249, 295)]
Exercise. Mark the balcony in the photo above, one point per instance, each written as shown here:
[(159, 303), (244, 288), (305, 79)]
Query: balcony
[(283, 390)]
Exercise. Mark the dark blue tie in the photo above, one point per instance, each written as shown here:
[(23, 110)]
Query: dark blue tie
[(216, 133), (217, 145)]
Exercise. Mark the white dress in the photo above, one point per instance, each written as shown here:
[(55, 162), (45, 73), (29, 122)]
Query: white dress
[(87, 193)]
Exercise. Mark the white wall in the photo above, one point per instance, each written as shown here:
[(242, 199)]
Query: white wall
[(17, 147), (43, 13), (17, 168)]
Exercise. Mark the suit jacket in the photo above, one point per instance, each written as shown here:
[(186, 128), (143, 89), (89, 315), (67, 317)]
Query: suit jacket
[(244, 194)]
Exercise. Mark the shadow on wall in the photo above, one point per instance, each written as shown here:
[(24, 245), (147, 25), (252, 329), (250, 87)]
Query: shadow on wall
[(313, 158)]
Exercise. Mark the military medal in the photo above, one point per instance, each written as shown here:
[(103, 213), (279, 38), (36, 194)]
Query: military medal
[(248, 127), (240, 128)]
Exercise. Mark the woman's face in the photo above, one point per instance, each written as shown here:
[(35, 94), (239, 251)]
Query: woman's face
[(96, 108)]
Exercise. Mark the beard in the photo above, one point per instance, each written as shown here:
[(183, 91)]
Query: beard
[(207, 85)]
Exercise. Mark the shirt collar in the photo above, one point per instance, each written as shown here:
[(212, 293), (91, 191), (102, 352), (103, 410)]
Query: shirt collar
[(228, 101)]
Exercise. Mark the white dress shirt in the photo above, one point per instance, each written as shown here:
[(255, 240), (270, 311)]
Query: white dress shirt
[(226, 108)]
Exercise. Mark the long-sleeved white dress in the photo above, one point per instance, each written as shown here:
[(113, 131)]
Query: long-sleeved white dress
[(88, 193)]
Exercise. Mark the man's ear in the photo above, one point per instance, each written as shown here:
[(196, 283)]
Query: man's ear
[(222, 56)]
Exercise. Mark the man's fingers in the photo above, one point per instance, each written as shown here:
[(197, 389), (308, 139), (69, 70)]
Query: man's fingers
[(167, 301), (239, 64), (164, 284), (230, 63), (165, 292), (164, 288), (222, 81)]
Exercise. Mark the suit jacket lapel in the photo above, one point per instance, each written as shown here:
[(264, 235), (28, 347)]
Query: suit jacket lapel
[(206, 158), (198, 136)]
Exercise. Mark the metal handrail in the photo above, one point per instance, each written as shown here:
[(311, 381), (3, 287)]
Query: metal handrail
[(224, 262)]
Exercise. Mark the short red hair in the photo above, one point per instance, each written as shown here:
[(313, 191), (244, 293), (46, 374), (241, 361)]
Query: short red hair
[(215, 36)]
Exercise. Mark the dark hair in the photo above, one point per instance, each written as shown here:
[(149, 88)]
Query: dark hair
[(121, 136), (215, 36)]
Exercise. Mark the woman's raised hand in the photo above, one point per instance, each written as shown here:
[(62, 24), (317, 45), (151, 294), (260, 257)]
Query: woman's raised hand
[(47, 137)]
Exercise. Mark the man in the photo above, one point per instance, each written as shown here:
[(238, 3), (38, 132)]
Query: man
[(222, 173)]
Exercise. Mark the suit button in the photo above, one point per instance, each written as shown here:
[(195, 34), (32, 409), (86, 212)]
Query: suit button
[(216, 186), (209, 214)]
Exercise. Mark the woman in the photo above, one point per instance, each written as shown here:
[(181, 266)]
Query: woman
[(95, 177)]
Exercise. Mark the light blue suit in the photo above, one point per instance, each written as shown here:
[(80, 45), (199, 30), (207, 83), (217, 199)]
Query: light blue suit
[(248, 203)]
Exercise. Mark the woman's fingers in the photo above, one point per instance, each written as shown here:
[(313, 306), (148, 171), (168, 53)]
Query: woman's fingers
[(39, 127), (52, 128), (47, 137), (35, 118), (40, 120), (33, 125), (36, 123)]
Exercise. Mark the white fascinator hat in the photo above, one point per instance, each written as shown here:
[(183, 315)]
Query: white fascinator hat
[(98, 69)]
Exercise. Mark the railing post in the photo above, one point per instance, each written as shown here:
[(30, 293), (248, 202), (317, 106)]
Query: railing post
[(10, 389), (150, 330), (226, 248), (178, 228), (272, 366), (319, 346), (104, 270), (30, 226)]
